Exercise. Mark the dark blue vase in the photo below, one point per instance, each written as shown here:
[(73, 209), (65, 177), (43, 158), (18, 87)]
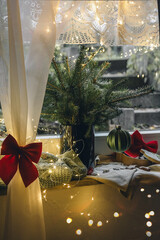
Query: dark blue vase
[(81, 140)]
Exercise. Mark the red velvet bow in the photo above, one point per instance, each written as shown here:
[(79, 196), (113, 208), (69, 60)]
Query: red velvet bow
[(24, 156), (138, 144)]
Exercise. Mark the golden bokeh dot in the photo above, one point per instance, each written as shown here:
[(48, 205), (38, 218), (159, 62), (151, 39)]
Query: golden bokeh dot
[(90, 222), (152, 213), (149, 234), (69, 220), (116, 214), (147, 215), (157, 190), (149, 224), (149, 195), (142, 189), (99, 223), (78, 231)]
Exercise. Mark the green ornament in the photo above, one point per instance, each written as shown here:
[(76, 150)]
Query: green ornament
[(118, 140)]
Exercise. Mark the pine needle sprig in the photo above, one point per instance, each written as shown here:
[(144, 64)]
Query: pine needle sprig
[(53, 86), (58, 73), (132, 94), (104, 67)]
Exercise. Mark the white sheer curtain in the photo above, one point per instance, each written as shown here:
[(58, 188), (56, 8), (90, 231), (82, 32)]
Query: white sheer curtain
[(112, 22), (26, 48), (27, 40)]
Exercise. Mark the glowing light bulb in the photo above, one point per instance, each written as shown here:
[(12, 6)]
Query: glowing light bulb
[(142, 189), (58, 146), (149, 224), (149, 195), (71, 197), (147, 215), (120, 22), (78, 231), (69, 220), (157, 190), (47, 30), (90, 222), (82, 213), (99, 224), (92, 198), (152, 213), (89, 214), (148, 234), (116, 214)]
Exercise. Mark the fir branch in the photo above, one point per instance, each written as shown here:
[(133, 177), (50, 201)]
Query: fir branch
[(106, 65), (68, 68), (130, 95), (104, 108), (46, 114), (54, 87), (91, 58), (115, 85), (58, 73)]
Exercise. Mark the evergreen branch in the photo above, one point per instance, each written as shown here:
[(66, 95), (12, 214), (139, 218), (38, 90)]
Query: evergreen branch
[(130, 96), (68, 68), (91, 57), (58, 73), (47, 114), (54, 87), (117, 84), (106, 65), (104, 108)]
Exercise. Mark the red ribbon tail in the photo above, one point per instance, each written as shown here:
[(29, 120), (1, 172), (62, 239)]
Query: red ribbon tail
[(152, 146), (28, 171), (8, 168)]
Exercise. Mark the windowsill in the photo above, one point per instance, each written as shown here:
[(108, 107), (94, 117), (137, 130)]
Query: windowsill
[(143, 132), (51, 143), (100, 140)]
